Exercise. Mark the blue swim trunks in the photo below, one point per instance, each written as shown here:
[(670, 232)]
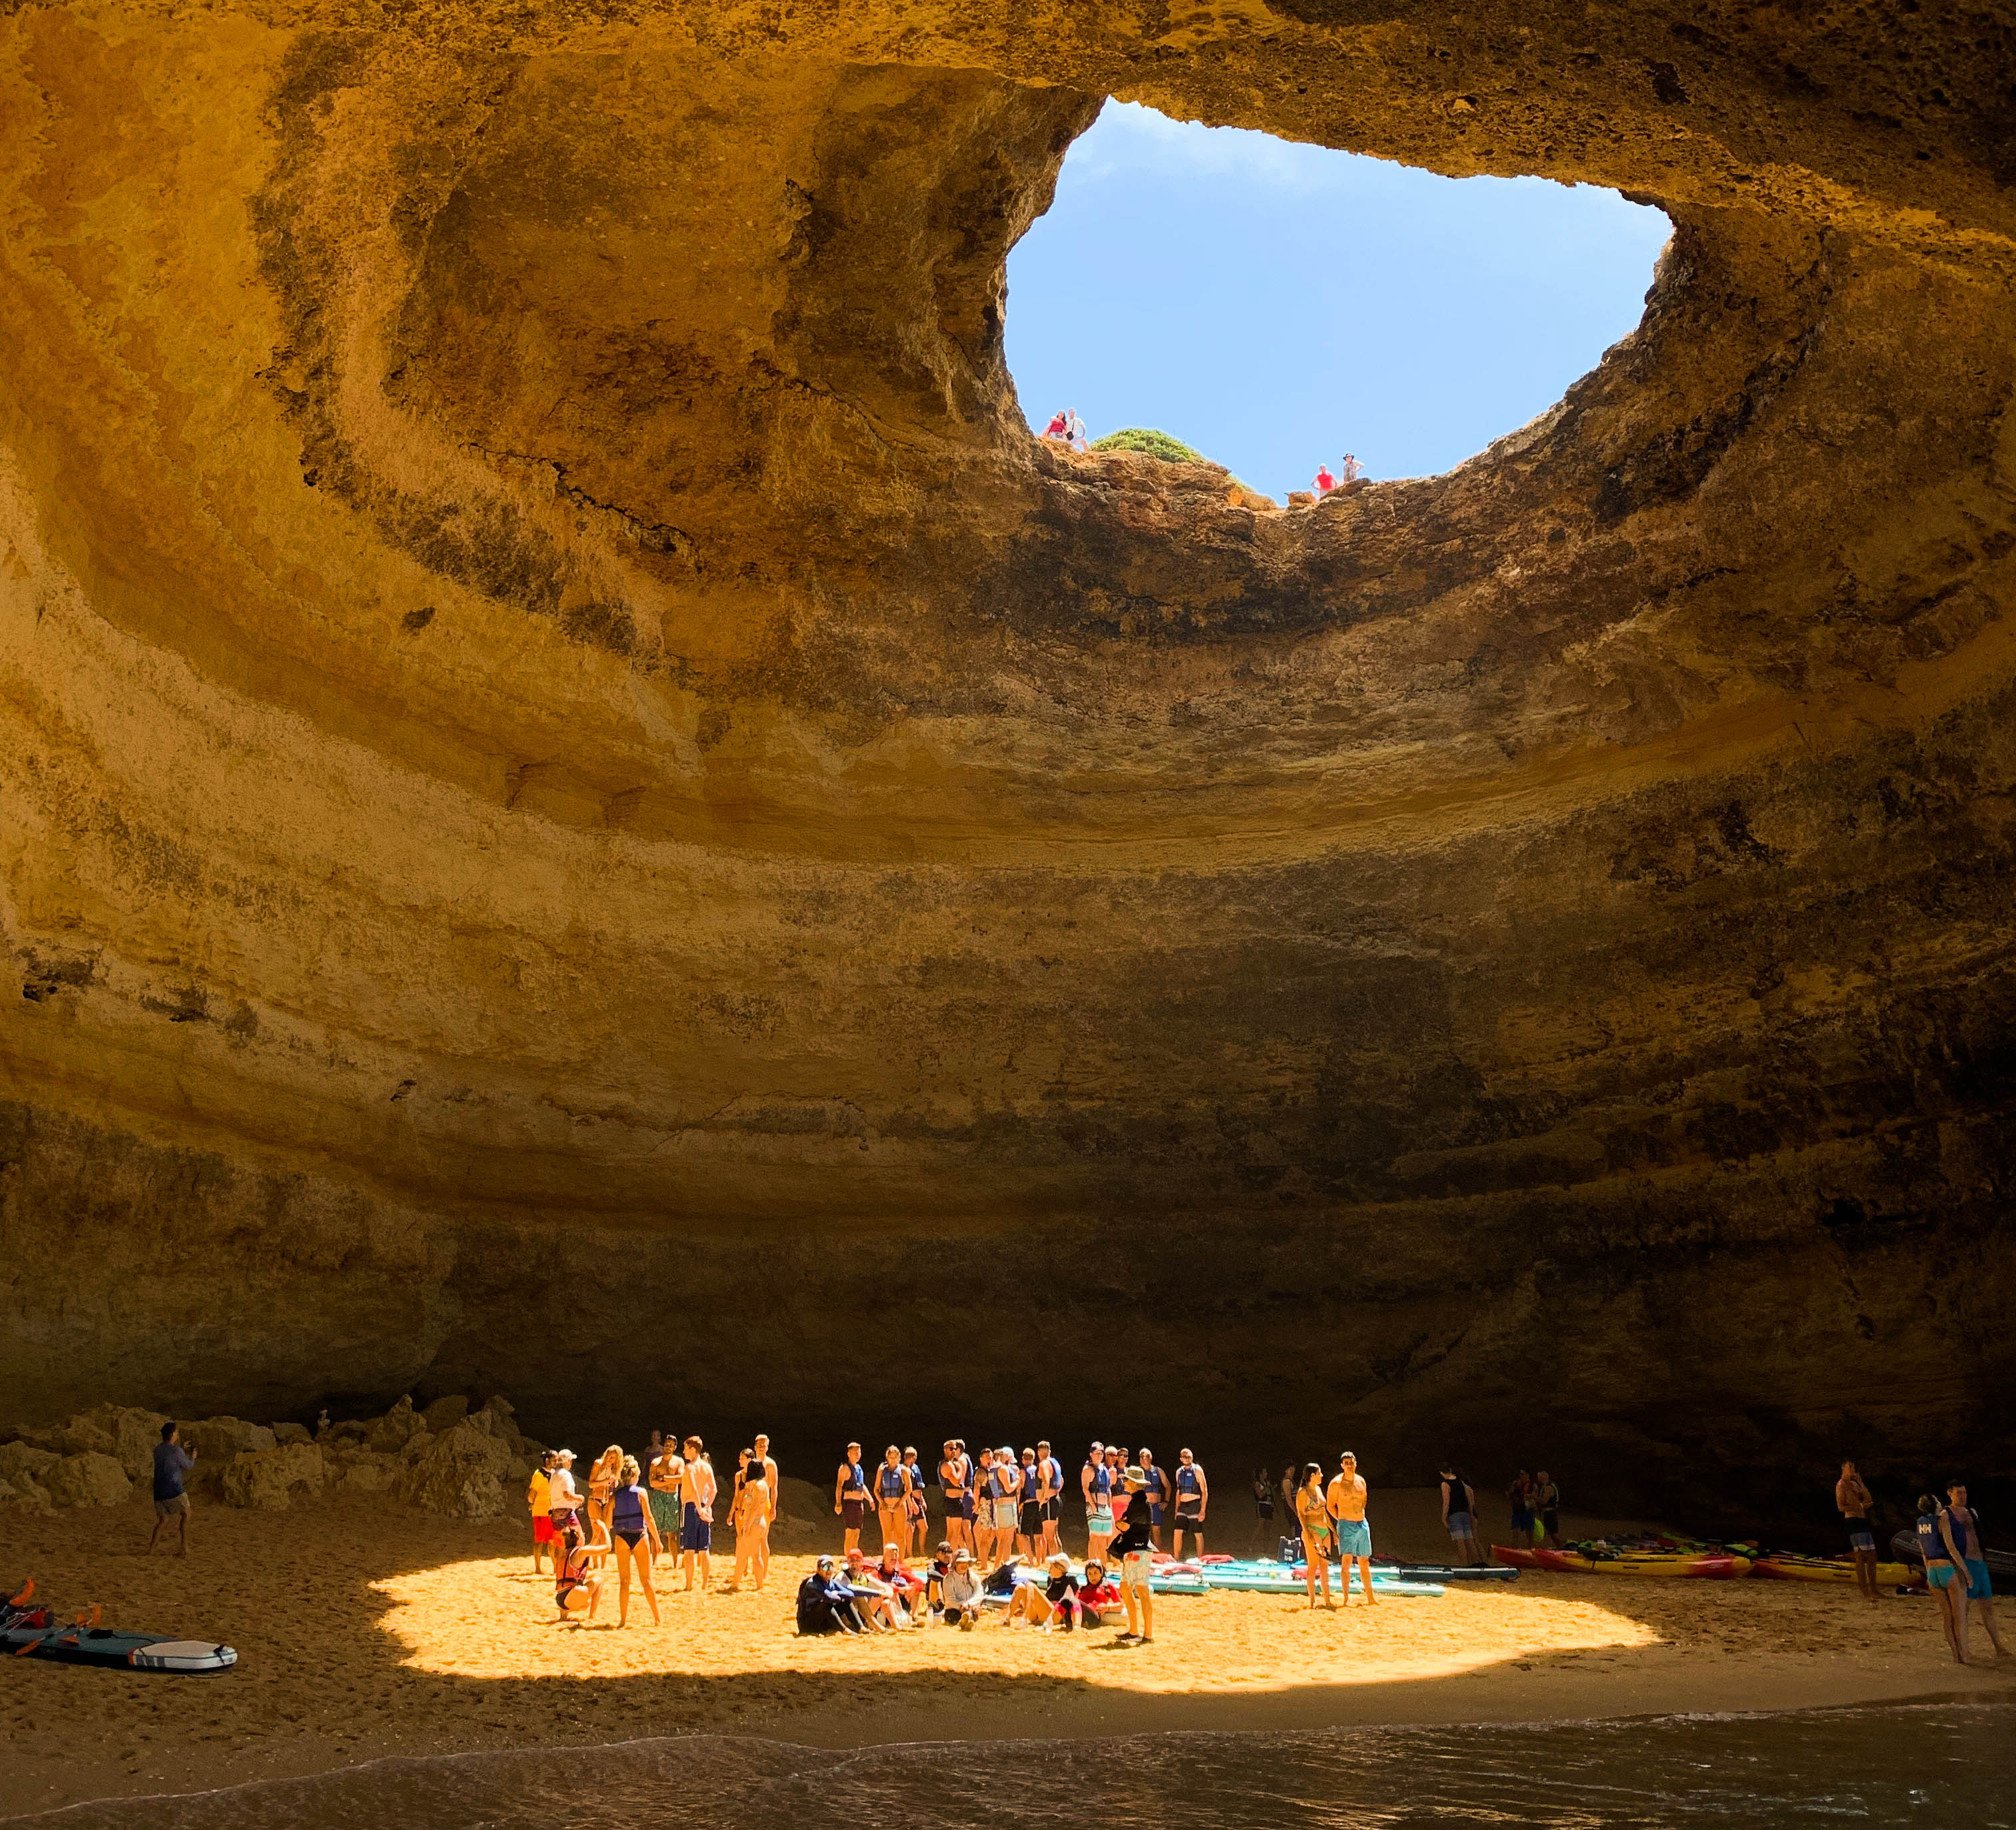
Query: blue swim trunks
[(1353, 1537), (695, 1532), (1980, 1585)]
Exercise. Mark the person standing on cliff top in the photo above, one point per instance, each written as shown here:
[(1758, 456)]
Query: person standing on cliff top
[(1074, 435), (1345, 1504), (1059, 428), (1353, 470), (1325, 481), (1852, 1498), (172, 1463), (697, 1489)]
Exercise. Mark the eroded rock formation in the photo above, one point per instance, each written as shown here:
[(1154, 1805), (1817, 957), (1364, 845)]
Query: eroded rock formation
[(562, 752)]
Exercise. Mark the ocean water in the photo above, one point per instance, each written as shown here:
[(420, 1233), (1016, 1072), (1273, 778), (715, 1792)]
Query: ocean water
[(1949, 1764)]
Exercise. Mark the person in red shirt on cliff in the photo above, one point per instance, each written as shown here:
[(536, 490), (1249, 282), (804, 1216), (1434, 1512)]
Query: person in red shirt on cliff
[(1325, 481), (1056, 427)]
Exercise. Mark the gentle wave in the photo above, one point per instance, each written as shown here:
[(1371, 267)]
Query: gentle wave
[(1945, 1763)]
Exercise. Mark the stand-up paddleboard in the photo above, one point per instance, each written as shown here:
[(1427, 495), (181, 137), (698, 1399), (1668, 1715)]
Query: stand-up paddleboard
[(27, 1631)]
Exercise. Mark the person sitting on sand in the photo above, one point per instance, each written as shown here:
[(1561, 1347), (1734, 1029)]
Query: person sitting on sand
[(1096, 1483), (850, 1497), (539, 1503), (826, 1603), (1973, 1566), (1097, 1594), (906, 1588), (935, 1572), (1135, 1548), (874, 1598), (1459, 1515), (1851, 1497), (576, 1590), (961, 1593), (1193, 1501), (1945, 1572), (1037, 1602), (1345, 1504), (697, 1490), (1312, 1510), (635, 1536)]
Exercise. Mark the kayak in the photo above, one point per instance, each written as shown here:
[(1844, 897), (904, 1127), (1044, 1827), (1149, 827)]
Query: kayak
[(1278, 1579), (1710, 1566), (78, 1645), (1788, 1566)]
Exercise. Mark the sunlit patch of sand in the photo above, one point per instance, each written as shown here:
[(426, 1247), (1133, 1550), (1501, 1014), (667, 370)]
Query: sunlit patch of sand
[(491, 1619)]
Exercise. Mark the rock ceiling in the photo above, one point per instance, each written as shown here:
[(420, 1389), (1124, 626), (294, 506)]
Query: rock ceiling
[(559, 743)]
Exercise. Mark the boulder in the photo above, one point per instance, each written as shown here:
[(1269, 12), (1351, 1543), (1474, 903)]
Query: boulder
[(417, 1445), (267, 1480), (355, 1433), (446, 1413), (90, 1479), (391, 1433), (367, 1474), (136, 1434), (25, 1493), (497, 1405), (91, 1433), (287, 1433), (18, 1458), (217, 1440), (458, 1473)]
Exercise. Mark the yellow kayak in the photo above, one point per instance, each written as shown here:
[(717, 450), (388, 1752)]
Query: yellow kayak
[(1787, 1567)]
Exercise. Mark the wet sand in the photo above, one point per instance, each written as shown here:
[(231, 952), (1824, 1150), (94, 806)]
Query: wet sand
[(365, 1629)]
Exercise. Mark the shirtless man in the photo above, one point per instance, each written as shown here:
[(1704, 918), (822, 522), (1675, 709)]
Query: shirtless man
[(667, 1470), (1852, 1499), (955, 1481), (1193, 1501), (850, 1498), (1345, 1504), (1971, 1578), (770, 1475), (697, 1487)]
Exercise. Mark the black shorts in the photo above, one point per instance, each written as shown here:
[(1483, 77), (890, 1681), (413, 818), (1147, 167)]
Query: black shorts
[(852, 1512), (1189, 1515), (1049, 1510), (1032, 1519)]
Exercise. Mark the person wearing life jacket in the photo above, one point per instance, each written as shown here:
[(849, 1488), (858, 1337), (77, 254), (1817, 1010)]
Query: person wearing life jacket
[(576, 1590), (1965, 1537), (955, 1481), (1193, 1501), (850, 1498), (1945, 1572), (892, 1496), (1095, 1481)]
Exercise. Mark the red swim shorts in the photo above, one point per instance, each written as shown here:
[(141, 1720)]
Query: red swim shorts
[(542, 1530)]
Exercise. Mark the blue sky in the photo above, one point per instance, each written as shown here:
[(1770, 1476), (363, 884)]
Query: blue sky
[(1273, 304)]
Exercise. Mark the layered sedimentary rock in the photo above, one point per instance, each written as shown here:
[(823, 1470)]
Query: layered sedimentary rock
[(581, 809)]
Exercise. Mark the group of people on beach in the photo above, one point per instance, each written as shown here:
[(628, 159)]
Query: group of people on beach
[(637, 1511)]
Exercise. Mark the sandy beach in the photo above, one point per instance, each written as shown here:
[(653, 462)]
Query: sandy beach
[(366, 1629)]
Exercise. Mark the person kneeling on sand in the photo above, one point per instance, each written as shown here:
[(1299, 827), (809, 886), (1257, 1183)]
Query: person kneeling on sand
[(961, 1592), (826, 1603), (576, 1593), (875, 1598), (1134, 1548), (1038, 1603)]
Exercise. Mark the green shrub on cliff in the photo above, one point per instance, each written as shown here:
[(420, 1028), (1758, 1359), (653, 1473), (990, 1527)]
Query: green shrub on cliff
[(1146, 439)]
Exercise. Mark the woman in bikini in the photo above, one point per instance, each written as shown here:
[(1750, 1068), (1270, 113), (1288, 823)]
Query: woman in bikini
[(1312, 1509), (602, 1479), (635, 1534), (955, 1482), (753, 1512), (577, 1592), (892, 1497), (916, 1509)]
